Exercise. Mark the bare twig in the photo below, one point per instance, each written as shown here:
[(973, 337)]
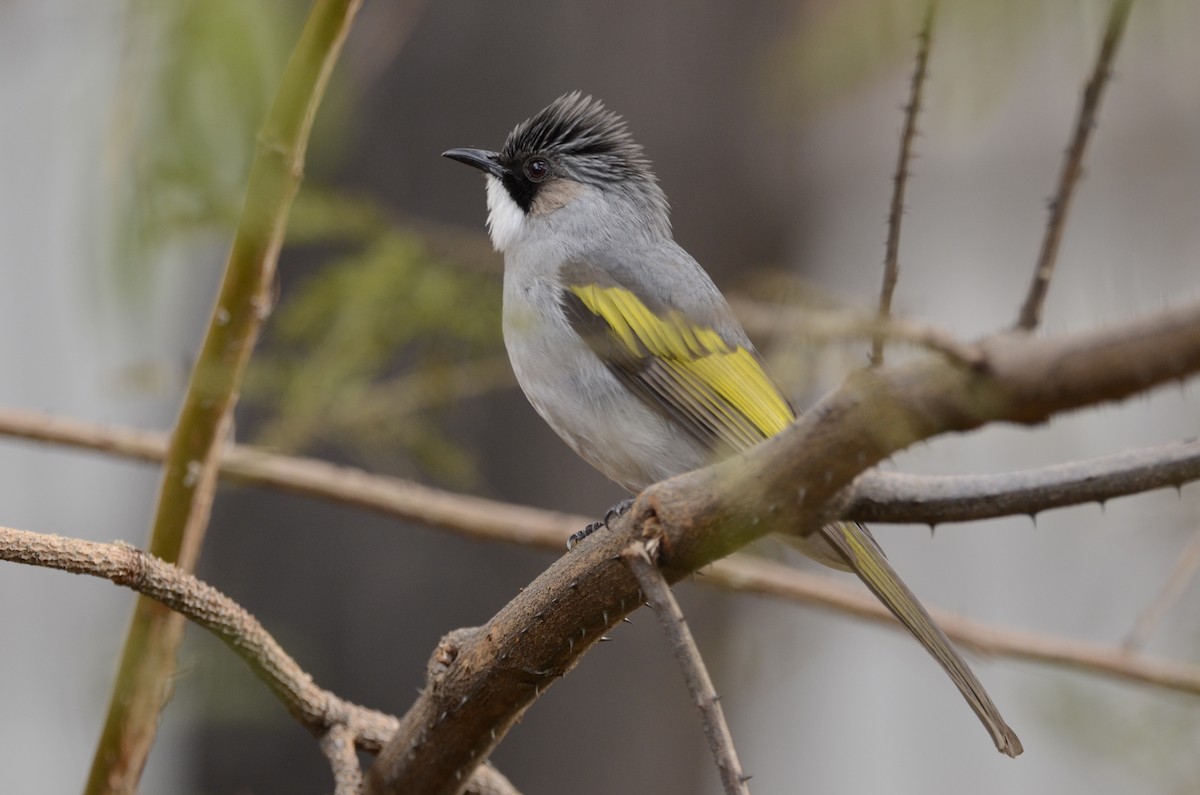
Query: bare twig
[(338, 746), (935, 499), (1177, 582), (190, 472), (762, 320), (1072, 168), (639, 557), (891, 262)]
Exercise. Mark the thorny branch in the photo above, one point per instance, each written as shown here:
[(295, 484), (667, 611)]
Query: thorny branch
[(788, 484), (936, 499), (640, 558), (891, 262), (1072, 168)]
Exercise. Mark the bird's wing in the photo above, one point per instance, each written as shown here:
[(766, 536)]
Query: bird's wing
[(713, 386), (701, 371), (859, 549)]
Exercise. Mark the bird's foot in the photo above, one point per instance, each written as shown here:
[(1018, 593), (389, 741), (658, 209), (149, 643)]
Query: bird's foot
[(613, 513)]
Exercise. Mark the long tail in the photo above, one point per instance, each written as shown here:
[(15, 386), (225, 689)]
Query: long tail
[(859, 549)]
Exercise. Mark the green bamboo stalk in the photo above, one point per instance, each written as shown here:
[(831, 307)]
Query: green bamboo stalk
[(143, 683)]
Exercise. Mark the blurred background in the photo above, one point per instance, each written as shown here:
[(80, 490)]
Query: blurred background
[(126, 129)]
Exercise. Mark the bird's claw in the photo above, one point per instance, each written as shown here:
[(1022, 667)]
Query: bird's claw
[(614, 512)]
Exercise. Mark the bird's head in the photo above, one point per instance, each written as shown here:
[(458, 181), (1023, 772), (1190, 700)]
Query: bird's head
[(572, 149)]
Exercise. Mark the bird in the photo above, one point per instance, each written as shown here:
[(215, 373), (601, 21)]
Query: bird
[(623, 344)]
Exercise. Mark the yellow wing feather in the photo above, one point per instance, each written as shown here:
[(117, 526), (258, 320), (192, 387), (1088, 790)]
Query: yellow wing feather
[(727, 382)]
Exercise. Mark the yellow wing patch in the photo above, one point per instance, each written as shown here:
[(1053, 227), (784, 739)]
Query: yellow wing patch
[(698, 374)]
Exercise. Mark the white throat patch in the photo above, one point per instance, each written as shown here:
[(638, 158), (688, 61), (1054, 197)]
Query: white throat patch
[(506, 220)]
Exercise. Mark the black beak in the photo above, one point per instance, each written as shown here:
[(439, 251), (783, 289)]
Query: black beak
[(485, 161)]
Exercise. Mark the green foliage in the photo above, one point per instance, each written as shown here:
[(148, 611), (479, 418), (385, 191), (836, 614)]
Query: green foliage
[(331, 370), (197, 80), (839, 46)]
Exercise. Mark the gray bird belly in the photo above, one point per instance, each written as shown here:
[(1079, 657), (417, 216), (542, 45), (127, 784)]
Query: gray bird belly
[(580, 398)]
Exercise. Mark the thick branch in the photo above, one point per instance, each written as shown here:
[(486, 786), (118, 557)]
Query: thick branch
[(788, 484), (1072, 168)]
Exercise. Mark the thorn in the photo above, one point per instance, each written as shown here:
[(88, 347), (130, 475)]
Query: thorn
[(1033, 518), (1103, 505), (744, 777), (604, 639), (493, 735), (571, 645), (626, 620), (605, 614)]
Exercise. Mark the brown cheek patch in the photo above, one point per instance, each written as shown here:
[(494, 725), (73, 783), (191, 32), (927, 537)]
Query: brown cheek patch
[(554, 196)]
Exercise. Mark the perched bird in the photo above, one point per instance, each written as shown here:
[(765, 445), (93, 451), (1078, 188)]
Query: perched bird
[(625, 346)]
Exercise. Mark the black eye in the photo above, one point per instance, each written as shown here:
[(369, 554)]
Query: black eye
[(536, 169)]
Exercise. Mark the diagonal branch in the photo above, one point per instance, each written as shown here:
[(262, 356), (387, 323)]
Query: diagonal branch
[(639, 557), (788, 484), (1185, 569), (316, 709), (1072, 168), (891, 262), (143, 682), (342, 725)]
